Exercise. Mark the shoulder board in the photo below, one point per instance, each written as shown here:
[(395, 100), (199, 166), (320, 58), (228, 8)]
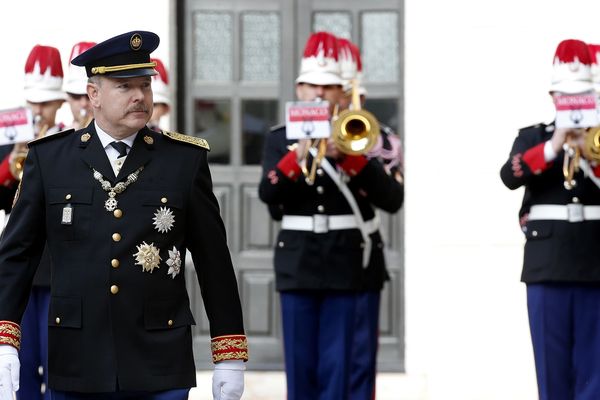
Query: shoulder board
[(187, 139), (50, 137), (277, 127), (533, 128)]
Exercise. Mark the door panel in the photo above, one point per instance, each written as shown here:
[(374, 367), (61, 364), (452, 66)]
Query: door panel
[(240, 61)]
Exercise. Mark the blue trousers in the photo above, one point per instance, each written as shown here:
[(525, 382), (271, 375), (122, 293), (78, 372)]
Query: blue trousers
[(318, 337), (34, 347), (364, 349), (176, 394), (564, 321)]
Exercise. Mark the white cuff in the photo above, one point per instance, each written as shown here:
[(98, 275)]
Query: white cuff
[(235, 365), (549, 153)]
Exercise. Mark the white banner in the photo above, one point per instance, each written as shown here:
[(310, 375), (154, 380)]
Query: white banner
[(16, 126), (306, 119), (576, 110)]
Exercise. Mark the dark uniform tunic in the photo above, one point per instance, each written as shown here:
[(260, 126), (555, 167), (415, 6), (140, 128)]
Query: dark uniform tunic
[(556, 251), (111, 322), (330, 260)]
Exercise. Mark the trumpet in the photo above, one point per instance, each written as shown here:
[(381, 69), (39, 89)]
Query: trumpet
[(354, 131), (590, 150), (17, 161)]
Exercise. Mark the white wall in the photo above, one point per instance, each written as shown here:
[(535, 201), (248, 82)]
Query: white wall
[(476, 71), (63, 23)]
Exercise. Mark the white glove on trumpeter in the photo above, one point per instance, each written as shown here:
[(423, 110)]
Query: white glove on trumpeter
[(9, 371), (228, 380)]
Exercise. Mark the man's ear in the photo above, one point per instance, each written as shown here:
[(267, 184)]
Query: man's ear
[(93, 93)]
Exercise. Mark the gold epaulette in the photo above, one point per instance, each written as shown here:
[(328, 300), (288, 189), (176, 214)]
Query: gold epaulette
[(187, 139), (52, 136)]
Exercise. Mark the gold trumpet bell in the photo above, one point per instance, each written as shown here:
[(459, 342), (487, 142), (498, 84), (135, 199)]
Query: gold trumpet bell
[(355, 131), (591, 148)]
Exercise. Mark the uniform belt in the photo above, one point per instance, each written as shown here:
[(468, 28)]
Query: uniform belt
[(324, 223), (573, 212)]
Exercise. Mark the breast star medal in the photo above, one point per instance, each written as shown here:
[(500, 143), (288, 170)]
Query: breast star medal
[(163, 220), (147, 256), (174, 262)]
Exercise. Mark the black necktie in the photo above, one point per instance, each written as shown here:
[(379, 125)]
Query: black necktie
[(120, 147)]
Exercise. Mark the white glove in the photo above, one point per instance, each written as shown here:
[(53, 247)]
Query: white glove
[(228, 380), (9, 371)]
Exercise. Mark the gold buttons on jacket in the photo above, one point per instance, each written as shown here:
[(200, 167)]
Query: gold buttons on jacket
[(68, 197), (57, 320), (115, 263), (164, 200), (116, 237), (320, 208), (118, 213), (114, 289), (320, 189), (170, 322)]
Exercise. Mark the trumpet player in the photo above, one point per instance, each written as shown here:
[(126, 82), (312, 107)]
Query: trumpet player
[(561, 223), (388, 151), (322, 259), (44, 95), (75, 87)]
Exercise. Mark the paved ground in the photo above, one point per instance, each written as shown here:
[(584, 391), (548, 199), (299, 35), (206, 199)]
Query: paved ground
[(271, 386)]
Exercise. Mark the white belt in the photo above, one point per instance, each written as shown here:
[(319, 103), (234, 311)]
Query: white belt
[(324, 223), (573, 212)]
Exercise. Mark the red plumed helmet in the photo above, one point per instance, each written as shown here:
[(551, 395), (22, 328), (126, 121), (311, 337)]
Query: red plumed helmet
[(594, 50), (350, 64), (43, 75), (571, 70), (76, 81), (160, 83), (320, 62)]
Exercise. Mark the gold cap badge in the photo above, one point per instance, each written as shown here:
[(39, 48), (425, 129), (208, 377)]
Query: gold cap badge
[(136, 41)]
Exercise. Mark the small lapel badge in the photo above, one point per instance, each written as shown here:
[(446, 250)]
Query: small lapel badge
[(67, 215), (148, 139), (85, 137)]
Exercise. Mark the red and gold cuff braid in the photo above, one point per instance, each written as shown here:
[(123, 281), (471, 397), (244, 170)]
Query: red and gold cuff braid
[(10, 333), (229, 347)]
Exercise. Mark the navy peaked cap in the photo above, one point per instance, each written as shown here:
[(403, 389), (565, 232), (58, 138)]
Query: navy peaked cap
[(123, 56)]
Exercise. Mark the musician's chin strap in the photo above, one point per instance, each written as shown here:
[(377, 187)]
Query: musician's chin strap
[(360, 222)]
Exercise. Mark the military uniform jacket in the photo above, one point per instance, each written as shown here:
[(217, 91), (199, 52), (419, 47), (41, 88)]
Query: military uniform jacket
[(330, 260), (112, 322), (555, 250)]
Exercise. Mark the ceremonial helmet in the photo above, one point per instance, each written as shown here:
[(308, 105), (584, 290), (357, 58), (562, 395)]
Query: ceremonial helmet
[(76, 79), (43, 75), (571, 70), (320, 63), (160, 83)]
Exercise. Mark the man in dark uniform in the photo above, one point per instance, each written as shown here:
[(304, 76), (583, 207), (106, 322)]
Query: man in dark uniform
[(321, 265), (118, 205), (562, 227)]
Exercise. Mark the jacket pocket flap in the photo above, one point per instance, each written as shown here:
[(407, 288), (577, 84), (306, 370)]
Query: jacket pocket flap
[(162, 198), (167, 314), (538, 230), (65, 312), (70, 195)]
